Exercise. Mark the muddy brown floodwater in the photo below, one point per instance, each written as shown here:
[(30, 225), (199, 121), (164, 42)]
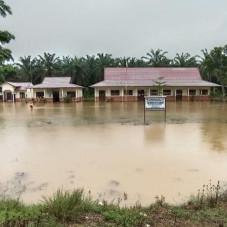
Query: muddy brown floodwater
[(105, 148)]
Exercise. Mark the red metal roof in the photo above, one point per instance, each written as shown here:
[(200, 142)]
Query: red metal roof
[(146, 77), (56, 82), (21, 85), (151, 73)]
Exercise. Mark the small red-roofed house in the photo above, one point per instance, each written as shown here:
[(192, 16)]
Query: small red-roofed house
[(16, 91), (56, 89)]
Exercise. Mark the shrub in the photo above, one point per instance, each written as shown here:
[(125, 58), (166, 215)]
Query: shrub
[(208, 197), (67, 206)]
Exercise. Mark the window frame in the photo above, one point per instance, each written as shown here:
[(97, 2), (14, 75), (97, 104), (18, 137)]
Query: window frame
[(202, 90), (169, 92), (39, 92), (70, 92), (190, 92), (22, 95), (153, 90), (128, 92), (115, 92)]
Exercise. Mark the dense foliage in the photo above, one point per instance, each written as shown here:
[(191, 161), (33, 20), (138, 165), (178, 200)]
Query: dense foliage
[(5, 36), (90, 69)]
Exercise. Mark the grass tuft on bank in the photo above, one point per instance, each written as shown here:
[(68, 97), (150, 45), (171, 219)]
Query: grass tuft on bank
[(64, 208)]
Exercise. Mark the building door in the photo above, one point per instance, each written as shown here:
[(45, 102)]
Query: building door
[(56, 97), (140, 95), (8, 96), (179, 95), (102, 95)]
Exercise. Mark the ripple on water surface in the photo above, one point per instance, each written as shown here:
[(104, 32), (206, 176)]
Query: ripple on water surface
[(106, 149)]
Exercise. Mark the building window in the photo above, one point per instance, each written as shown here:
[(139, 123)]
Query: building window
[(166, 92), (154, 92), (128, 92), (49, 93), (71, 94), (0, 89), (22, 95), (39, 94), (115, 92), (192, 92), (204, 92)]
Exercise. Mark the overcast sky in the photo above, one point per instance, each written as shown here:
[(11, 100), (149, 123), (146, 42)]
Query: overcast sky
[(119, 27)]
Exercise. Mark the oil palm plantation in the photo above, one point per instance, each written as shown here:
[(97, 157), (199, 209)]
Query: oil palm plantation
[(157, 58), (27, 68), (102, 61), (214, 66), (73, 67), (50, 63), (185, 60), (89, 64)]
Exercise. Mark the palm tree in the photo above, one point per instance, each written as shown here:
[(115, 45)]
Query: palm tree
[(4, 9), (122, 62), (207, 65), (157, 58), (72, 67), (130, 62), (102, 61), (27, 68), (185, 60), (214, 66), (89, 64), (39, 72), (50, 63)]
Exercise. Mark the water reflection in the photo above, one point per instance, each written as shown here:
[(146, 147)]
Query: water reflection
[(105, 148), (155, 134), (215, 134)]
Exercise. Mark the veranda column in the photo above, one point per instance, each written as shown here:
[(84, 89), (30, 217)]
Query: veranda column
[(96, 95), (62, 93), (77, 94), (13, 96), (188, 94), (122, 94)]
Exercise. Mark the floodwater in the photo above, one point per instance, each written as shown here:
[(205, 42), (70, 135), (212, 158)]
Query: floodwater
[(105, 149)]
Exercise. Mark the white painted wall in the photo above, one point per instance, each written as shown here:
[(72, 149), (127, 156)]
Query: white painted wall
[(147, 90), (7, 87), (48, 93), (79, 92), (36, 90)]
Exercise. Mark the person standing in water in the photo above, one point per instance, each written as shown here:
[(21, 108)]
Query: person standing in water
[(31, 105)]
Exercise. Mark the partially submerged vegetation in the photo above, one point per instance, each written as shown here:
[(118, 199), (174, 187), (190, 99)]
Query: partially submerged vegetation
[(207, 208)]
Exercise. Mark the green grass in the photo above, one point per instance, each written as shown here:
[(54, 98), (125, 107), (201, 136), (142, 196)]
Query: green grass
[(66, 208)]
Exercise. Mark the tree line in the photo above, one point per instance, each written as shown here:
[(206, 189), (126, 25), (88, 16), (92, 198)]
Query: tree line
[(88, 70)]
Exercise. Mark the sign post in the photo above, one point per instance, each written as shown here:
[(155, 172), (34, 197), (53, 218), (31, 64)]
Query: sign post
[(155, 103)]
